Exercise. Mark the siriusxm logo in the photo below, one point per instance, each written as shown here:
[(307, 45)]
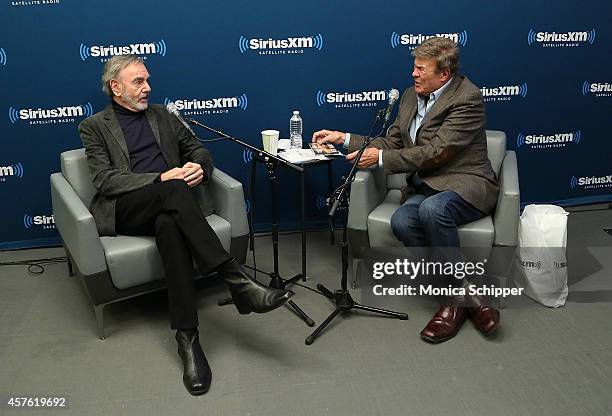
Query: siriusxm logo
[(247, 156), (591, 182), (350, 99), (504, 93), (531, 264), (543, 141), (44, 221), (51, 115), (209, 106), (292, 45), (324, 202), (599, 89), (106, 52), (413, 40), (11, 170), (2, 57), (321, 202), (563, 39)]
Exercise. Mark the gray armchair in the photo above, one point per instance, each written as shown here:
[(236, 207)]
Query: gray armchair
[(375, 197), (116, 268)]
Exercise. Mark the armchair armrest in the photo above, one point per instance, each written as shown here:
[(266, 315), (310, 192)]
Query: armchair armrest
[(368, 190), (506, 216), (77, 227), (228, 200)]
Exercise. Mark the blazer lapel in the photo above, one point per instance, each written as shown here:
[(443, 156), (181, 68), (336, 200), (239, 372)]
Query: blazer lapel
[(110, 120), (152, 119), (442, 100), (411, 110)]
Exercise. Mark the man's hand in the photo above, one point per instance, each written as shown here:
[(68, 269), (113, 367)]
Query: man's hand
[(368, 158), (174, 173), (328, 136), (193, 173)]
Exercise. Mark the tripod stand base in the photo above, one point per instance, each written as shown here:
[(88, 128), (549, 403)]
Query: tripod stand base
[(279, 283), (345, 303)]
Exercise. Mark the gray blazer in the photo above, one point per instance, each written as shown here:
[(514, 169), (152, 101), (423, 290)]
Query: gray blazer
[(451, 147), (109, 161)]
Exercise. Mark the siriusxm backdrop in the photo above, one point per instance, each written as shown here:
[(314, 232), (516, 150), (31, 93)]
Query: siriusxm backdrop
[(243, 66)]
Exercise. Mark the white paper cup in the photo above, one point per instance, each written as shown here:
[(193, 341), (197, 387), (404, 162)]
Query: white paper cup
[(270, 140)]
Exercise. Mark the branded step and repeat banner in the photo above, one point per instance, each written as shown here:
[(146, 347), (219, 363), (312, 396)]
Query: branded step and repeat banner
[(244, 66)]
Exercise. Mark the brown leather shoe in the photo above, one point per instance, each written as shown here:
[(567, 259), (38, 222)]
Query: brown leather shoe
[(485, 318), (445, 323)]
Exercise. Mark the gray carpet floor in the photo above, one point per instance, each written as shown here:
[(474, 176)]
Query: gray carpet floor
[(541, 362)]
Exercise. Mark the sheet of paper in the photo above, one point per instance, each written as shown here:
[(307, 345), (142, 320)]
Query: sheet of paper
[(300, 155), (284, 144)]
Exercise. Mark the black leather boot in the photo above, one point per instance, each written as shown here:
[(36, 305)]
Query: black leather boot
[(196, 371), (248, 294)]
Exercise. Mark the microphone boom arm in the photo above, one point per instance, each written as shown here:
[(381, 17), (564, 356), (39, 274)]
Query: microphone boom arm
[(266, 156)]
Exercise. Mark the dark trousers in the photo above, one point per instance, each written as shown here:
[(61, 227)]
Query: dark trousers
[(170, 212)]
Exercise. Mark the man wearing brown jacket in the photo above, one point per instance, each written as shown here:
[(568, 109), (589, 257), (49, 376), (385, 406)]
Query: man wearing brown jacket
[(438, 137)]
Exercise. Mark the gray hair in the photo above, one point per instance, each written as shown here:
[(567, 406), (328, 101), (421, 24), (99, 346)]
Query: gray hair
[(113, 66), (443, 50)]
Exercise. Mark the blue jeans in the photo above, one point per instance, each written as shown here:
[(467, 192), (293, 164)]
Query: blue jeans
[(431, 221)]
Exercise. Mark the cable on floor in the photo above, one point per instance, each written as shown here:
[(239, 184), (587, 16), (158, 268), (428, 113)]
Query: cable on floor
[(36, 266)]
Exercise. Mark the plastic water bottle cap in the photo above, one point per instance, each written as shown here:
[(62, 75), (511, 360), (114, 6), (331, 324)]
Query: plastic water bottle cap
[(296, 112)]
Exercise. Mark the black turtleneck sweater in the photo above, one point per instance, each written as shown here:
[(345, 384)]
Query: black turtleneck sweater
[(145, 155)]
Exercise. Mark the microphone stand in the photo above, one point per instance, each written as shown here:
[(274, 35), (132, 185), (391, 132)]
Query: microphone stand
[(271, 161), (342, 297)]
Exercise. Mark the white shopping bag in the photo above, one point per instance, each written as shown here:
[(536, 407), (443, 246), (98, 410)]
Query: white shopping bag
[(542, 263)]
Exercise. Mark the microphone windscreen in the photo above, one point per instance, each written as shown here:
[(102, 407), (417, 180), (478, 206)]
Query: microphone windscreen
[(171, 107), (393, 95)]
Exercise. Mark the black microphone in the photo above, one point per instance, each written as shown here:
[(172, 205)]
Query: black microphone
[(171, 107), (393, 96)]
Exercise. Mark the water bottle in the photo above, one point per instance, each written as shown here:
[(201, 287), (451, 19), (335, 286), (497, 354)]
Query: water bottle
[(295, 130)]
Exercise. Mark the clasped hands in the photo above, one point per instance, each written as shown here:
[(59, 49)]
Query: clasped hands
[(191, 173), (368, 158)]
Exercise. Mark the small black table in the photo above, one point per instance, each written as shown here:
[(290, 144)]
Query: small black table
[(256, 159)]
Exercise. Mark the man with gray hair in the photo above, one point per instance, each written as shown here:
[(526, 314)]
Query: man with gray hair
[(145, 166), (438, 137)]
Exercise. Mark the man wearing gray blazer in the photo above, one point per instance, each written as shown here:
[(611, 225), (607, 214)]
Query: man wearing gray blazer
[(145, 166), (439, 138)]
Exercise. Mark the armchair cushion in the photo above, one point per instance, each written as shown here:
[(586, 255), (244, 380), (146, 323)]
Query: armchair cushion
[(479, 233)]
